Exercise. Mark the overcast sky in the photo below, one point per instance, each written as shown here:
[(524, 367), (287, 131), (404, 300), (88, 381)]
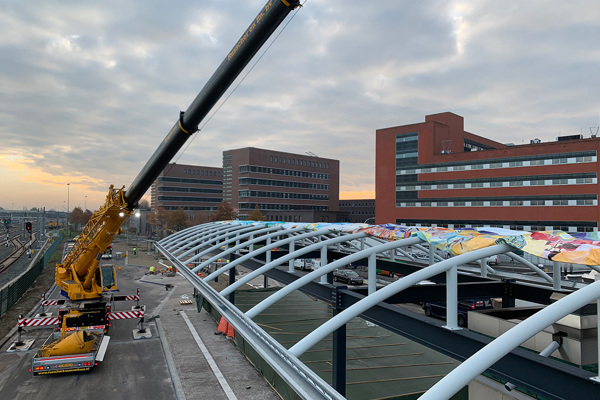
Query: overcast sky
[(89, 89)]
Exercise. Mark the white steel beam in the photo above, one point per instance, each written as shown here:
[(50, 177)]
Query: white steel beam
[(505, 343), (409, 280)]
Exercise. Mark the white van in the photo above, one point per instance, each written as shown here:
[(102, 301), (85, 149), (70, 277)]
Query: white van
[(493, 260)]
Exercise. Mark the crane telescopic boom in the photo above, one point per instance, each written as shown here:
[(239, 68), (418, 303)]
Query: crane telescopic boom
[(265, 23), (79, 276)]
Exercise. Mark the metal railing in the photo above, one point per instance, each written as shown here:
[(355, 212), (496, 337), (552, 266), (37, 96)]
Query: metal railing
[(12, 291)]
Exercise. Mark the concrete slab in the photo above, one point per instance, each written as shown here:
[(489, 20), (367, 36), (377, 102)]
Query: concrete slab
[(24, 346), (138, 334)]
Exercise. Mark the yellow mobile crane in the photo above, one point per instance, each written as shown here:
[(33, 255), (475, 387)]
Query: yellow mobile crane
[(84, 318)]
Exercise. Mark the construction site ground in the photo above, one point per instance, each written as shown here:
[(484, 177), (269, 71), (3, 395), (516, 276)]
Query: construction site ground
[(185, 358), (181, 360)]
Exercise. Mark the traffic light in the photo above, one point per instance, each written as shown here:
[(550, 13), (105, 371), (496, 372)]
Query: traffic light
[(28, 226), (6, 222)]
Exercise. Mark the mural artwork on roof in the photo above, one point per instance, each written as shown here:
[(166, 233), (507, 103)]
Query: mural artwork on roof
[(577, 248)]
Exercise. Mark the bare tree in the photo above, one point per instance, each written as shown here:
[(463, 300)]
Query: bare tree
[(178, 219), (224, 212), (256, 215)]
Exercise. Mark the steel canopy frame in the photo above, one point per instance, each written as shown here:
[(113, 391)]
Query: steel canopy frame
[(321, 332), (519, 366), (293, 254), (505, 343), (244, 245), (263, 305), (228, 239)]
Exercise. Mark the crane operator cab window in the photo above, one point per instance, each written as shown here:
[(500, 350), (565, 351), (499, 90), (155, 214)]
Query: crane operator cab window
[(108, 278)]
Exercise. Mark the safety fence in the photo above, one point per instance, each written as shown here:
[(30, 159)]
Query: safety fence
[(12, 292)]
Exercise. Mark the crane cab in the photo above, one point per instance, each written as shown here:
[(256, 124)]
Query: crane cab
[(107, 279)]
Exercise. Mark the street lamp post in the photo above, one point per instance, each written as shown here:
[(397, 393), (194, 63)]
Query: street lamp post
[(68, 206), (137, 229)]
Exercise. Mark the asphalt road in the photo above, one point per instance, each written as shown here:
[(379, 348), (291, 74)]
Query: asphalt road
[(169, 365)]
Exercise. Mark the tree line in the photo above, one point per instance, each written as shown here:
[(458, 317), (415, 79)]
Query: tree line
[(166, 222), (176, 220)]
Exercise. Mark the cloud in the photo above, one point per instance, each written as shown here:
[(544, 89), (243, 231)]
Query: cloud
[(89, 90)]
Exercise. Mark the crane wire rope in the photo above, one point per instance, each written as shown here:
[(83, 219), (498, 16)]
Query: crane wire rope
[(240, 81)]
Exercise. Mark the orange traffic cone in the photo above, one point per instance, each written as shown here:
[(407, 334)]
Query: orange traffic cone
[(230, 331), (223, 325)]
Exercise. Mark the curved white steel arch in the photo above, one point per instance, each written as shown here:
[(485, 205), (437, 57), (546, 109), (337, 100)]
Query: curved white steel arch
[(244, 245), (290, 256), (186, 232), (202, 235), (225, 239), (556, 311), (409, 280), (264, 249), (216, 235), (260, 307), (504, 344)]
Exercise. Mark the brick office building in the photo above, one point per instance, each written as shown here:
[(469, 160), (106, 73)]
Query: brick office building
[(435, 173), (193, 188), (358, 210), (284, 186)]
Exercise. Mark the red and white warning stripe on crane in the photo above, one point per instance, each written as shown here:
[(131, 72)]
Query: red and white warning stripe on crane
[(38, 321)]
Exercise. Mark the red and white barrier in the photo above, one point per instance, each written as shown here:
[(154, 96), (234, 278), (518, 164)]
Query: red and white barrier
[(52, 302), (125, 315), (38, 321)]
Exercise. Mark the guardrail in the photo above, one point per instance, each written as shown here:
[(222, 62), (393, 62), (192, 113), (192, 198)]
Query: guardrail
[(12, 292)]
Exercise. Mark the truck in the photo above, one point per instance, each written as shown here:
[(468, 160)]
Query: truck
[(80, 338), (303, 264)]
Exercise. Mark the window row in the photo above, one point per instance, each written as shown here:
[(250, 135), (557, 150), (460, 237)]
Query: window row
[(188, 208), (490, 164), (276, 206), (283, 195), (190, 199), (500, 203), (189, 180), (300, 162), (500, 183), (347, 204), (271, 182), (188, 190), (529, 226), (201, 172), (280, 171)]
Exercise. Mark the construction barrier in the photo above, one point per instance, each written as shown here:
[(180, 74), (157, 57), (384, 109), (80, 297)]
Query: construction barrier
[(52, 302), (38, 321), (125, 315)]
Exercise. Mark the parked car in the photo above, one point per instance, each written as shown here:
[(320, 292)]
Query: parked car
[(438, 308), (347, 276), (493, 260)]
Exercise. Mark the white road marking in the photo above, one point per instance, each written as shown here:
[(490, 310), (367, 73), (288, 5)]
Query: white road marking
[(211, 361)]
